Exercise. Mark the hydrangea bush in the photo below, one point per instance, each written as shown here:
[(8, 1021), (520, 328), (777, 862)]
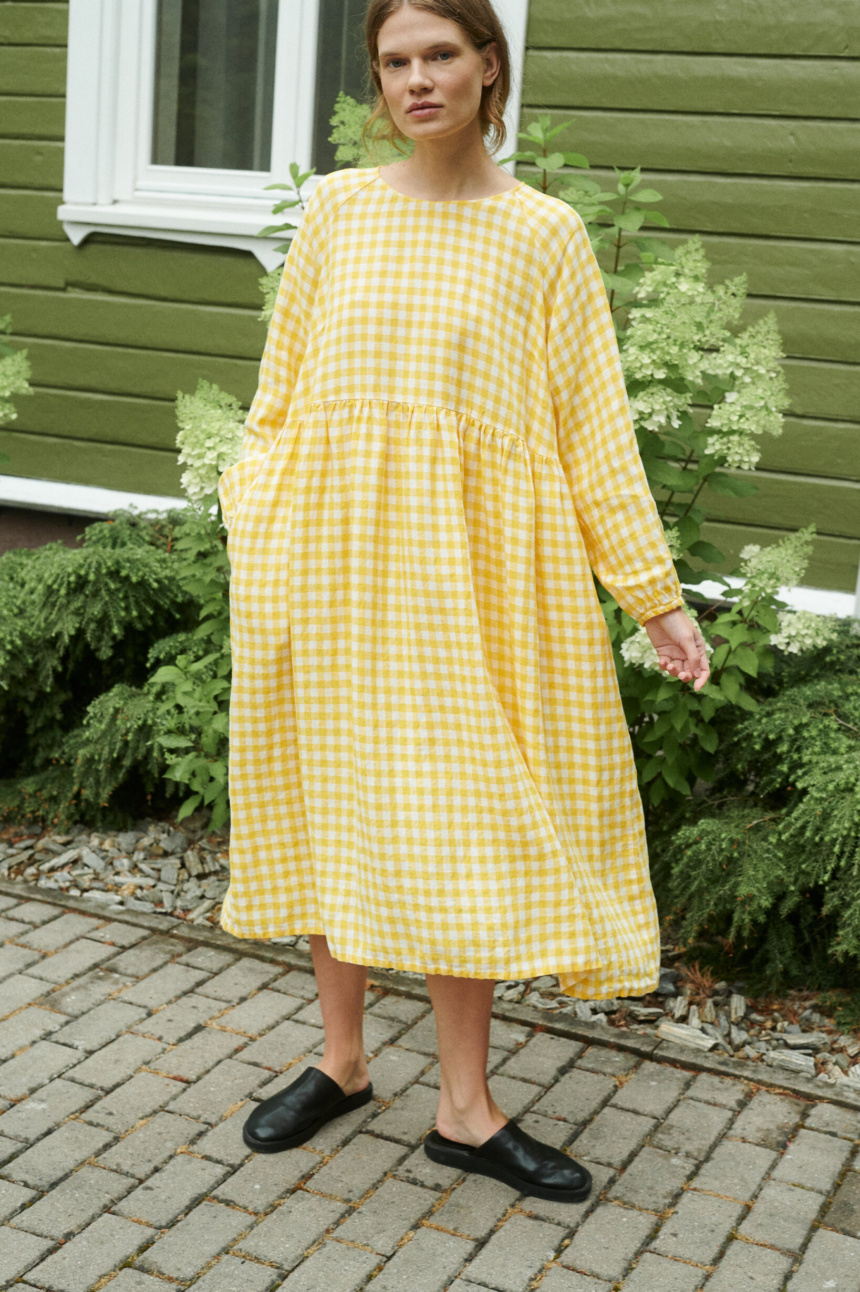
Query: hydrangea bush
[(14, 376)]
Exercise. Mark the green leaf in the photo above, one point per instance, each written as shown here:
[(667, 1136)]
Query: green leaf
[(706, 552), (576, 159), (630, 221), (656, 217), (188, 807), (746, 659), (663, 473), (730, 686), (707, 738), (746, 701), (731, 485), (673, 777), (647, 195), (554, 161)]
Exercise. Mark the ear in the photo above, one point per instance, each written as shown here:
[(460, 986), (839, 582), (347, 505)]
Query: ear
[(492, 62)]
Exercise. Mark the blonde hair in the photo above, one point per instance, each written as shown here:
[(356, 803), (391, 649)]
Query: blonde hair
[(481, 24)]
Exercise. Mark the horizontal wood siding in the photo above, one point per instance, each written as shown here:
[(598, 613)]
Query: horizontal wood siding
[(113, 328), (746, 116)]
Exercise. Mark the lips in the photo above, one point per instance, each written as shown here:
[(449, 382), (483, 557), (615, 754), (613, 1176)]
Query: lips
[(419, 107)]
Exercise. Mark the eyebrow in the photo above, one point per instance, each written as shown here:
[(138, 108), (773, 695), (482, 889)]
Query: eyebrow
[(440, 44)]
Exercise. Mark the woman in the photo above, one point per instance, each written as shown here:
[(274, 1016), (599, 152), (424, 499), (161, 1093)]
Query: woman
[(430, 767)]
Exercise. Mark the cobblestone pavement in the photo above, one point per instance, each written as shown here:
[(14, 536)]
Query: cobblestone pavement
[(130, 1054)]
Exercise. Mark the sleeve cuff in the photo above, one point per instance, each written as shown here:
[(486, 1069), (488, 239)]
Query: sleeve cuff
[(676, 604)]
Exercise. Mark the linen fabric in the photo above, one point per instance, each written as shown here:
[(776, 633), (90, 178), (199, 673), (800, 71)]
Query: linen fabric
[(429, 760)]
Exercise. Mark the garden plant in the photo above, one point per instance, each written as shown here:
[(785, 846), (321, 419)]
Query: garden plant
[(115, 658)]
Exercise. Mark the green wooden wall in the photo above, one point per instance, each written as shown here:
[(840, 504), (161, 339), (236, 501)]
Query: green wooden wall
[(746, 121), (744, 114)]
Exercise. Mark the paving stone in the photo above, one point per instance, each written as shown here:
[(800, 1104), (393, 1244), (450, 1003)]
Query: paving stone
[(34, 913), (118, 934), (508, 1036), (745, 1266), (831, 1261), (24, 1028), (576, 1096), (692, 1129), (116, 1062), (57, 1155), (542, 1059), (768, 1120), (18, 990), (88, 991), (613, 1137), (191, 1244), (388, 1215), (150, 1146), (8, 928), (333, 1266), (409, 1117), (163, 986), (358, 1167), (71, 962), (18, 1252), (147, 956), (34, 1067), (124, 1107), (698, 1228), (282, 1044), (418, 1169), (8, 1148), (547, 1129), (175, 1022), (515, 1097), (60, 932), (652, 1090), (129, 1280), (99, 1026), (13, 1197), (214, 1095), (725, 1091), (101, 1248), (400, 1008), (813, 1160), (657, 1274), (608, 1241), (427, 1263), (194, 1057), (570, 1214), (653, 1180), (14, 959), (172, 1190), (844, 1214), (474, 1206), (210, 959), (241, 979), (284, 1236), (297, 983), (613, 1063), (394, 1069), (74, 1203), (46, 1109), (836, 1121), (558, 1279), (224, 1142), (255, 1016), (232, 1274), (421, 1036), (735, 1170), (267, 1178), (782, 1216)]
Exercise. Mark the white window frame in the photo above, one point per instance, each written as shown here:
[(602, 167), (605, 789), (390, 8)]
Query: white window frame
[(110, 184)]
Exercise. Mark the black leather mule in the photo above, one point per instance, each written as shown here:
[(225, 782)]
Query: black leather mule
[(518, 1159), (296, 1113)]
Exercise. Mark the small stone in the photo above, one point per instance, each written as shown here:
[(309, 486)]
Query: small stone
[(681, 1034), (792, 1062), (805, 1040), (693, 1018), (707, 1013), (582, 1010), (680, 1008)]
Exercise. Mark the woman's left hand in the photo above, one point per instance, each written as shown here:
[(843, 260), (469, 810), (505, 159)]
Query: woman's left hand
[(680, 647)]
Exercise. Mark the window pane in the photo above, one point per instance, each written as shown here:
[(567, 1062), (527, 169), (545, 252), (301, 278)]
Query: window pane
[(341, 65), (214, 83)]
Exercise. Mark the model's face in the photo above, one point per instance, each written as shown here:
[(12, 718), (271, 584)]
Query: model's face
[(424, 59)]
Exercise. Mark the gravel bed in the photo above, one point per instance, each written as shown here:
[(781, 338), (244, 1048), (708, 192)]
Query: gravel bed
[(183, 872)]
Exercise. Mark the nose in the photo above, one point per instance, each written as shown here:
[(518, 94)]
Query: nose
[(418, 78)]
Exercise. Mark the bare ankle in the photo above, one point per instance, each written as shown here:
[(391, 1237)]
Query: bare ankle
[(349, 1071)]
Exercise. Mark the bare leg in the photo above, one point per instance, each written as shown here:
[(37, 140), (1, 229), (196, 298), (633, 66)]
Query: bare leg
[(467, 1111), (341, 987)]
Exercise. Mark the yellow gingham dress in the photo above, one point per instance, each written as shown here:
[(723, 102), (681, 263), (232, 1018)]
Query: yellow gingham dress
[(428, 756)]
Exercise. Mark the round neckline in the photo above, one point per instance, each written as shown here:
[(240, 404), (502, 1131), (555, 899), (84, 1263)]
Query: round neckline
[(446, 201)]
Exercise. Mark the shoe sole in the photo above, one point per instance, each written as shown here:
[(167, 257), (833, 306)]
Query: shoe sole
[(466, 1162), (307, 1132)]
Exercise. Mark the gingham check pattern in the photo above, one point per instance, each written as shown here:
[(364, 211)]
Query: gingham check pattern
[(429, 759)]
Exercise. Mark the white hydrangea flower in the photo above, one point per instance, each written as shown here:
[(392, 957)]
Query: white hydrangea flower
[(782, 565), (755, 406), (673, 541), (210, 436), (14, 375), (803, 630), (637, 649)]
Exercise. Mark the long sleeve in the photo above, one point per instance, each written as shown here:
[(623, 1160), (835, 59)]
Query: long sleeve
[(621, 529), (284, 351)]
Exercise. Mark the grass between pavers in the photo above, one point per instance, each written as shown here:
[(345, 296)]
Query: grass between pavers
[(644, 1047)]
